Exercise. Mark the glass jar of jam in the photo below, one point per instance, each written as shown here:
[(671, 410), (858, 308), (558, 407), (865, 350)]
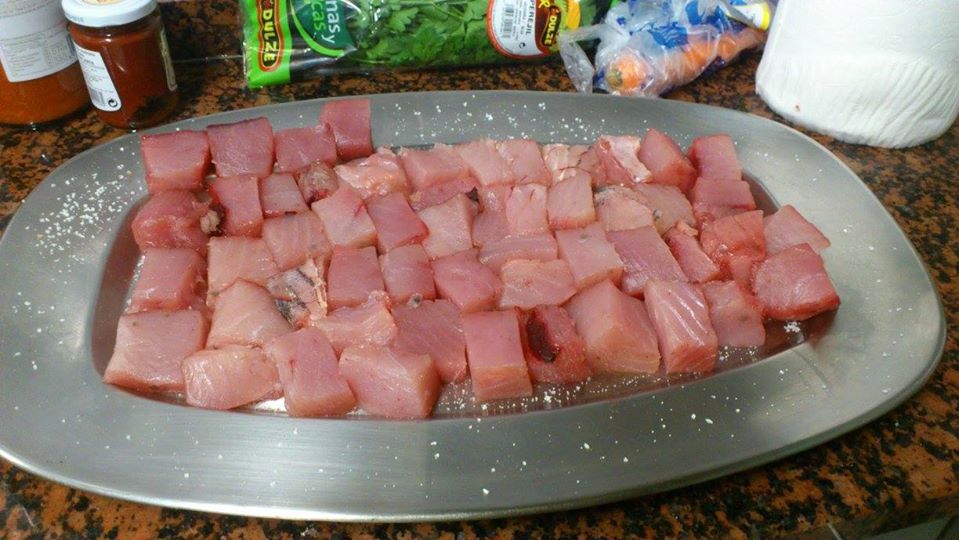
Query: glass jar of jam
[(40, 78), (125, 59)]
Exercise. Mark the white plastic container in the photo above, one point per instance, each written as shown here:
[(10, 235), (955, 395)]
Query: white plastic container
[(876, 72)]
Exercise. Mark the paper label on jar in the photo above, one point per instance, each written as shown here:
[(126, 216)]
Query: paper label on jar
[(103, 93), (34, 41), (529, 28), (167, 62)]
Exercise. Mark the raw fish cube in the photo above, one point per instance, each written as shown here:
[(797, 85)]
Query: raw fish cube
[(485, 163), (433, 327), (589, 254), (408, 274), (618, 335), (525, 160), (242, 148), (540, 247), (563, 162), (666, 162), (554, 352), (715, 196), (378, 174), (245, 315), (737, 235), (620, 209), (697, 266), (792, 285), (735, 313), (495, 355), (569, 203), (645, 256), (145, 358), (449, 226), (171, 219), (295, 238), (238, 257), (787, 228), (279, 195), (349, 120), (229, 378), (169, 279), (440, 193), (345, 219), (391, 383), (426, 168), (309, 374), (396, 223), (467, 283), (530, 283), (668, 204), (353, 275), (175, 160), (300, 294), (619, 157), (526, 210), (680, 315), (714, 157), (318, 181), (239, 196), (298, 148), (370, 323)]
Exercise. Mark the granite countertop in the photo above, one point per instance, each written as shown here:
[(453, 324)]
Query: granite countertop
[(899, 470)]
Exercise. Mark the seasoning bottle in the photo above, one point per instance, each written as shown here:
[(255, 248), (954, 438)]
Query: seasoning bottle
[(40, 78), (125, 59)]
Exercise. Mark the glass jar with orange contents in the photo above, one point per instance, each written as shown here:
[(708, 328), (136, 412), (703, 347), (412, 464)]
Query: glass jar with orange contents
[(125, 59), (40, 78)]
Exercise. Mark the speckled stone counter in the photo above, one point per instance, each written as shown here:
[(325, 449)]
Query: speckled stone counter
[(899, 470)]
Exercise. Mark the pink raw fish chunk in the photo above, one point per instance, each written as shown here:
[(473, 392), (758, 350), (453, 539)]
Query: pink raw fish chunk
[(714, 157), (554, 351), (245, 315), (735, 313), (619, 157), (349, 120), (495, 355), (526, 210), (408, 274), (485, 163), (666, 162), (645, 256), (618, 334), (298, 148), (589, 254), (345, 219), (680, 315), (239, 196), (378, 174), (391, 383), (242, 148), (467, 283), (370, 323), (715, 199), (171, 219), (697, 266), (525, 160), (229, 378), (175, 160), (238, 257), (491, 224), (569, 203), (530, 283), (169, 279), (540, 247), (295, 238), (353, 275), (434, 328), (309, 374), (563, 162), (737, 236), (440, 193), (792, 285), (145, 357), (279, 195), (620, 209), (300, 294), (396, 223), (668, 204), (318, 181), (787, 228), (438, 165), (449, 226)]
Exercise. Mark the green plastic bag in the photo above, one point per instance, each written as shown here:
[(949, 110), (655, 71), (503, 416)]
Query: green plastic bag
[(293, 40)]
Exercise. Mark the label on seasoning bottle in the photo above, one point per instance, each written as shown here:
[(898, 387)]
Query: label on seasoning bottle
[(103, 93), (34, 41)]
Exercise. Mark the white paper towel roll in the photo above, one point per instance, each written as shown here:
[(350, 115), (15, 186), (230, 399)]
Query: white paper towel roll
[(877, 72)]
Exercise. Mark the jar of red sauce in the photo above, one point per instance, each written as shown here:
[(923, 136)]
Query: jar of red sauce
[(125, 59), (40, 78)]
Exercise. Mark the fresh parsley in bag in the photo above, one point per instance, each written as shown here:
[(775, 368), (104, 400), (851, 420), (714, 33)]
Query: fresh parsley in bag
[(292, 40)]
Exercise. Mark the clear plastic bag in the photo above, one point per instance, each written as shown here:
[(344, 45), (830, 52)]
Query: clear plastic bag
[(649, 47)]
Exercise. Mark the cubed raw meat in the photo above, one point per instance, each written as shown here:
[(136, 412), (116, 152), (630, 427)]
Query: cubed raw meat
[(668, 204), (618, 335), (714, 157), (345, 219), (239, 196), (242, 148), (488, 227), (408, 274), (569, 203), (526, 210), (396, 223), (238, 257), (666, 162), (739, 235), (300, 294), (540, 247), (145, 358), (706, 212), (367, 324), (353, 275), (792, 285), (309, 374), (426, 168), (554, 352), (495, 355), (440, 193), (530, 283), (718, 198), (645, 256), (279, 195), (318, 181), (589, 254), (175, 160), (171, 219), (735, 313), (697, 266), (685, 332), (620, 209), (391, 383), (433, 328), (245, 315), (295, 238), (349, 120), (525, 160), (449, 226), (466, 282), (170, 278), (485, 163), (619, 157), (378, 174), (787, 228), (229, 378), (298, 148), (563, 162)]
